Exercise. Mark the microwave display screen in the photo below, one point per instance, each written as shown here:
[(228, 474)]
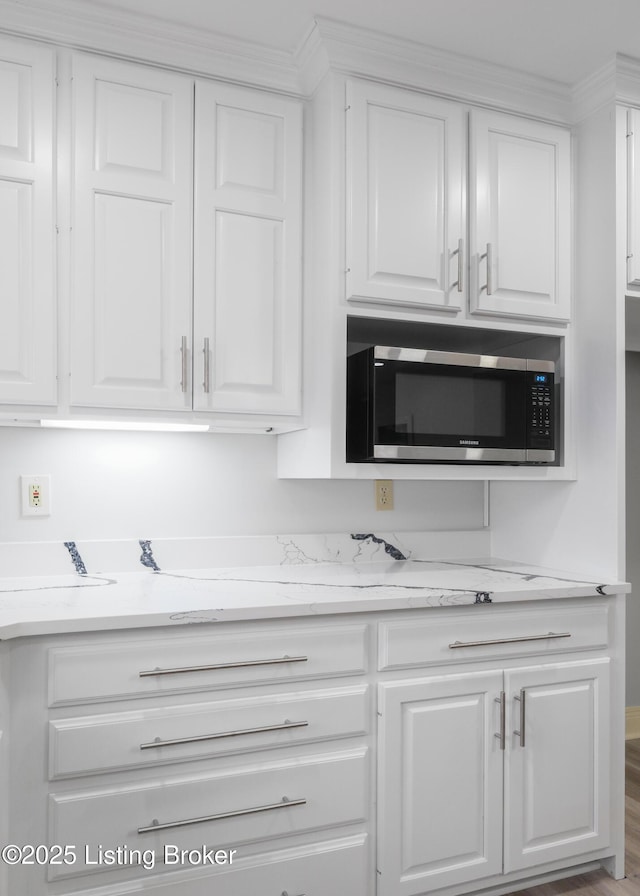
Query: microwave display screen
[(441, 404)]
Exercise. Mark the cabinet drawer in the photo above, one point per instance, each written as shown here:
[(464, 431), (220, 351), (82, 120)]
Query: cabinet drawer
[(103, 671), (335, 866), (479, 633), (224, 810), (133, 739)]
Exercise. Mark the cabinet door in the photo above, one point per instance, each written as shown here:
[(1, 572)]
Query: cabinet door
[(519, 217), (247, 266), (132, 259), (557, 767), (27, 274), (440, 782), (405, 194), (633, 198)]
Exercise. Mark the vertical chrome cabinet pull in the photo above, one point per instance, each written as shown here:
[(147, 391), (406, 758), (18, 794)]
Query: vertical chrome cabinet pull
[(155, 825), (214, 667), (185, 357), (520, 732), (196, 739), (207, 372), (460, 253), (502, 700), (489, 284)]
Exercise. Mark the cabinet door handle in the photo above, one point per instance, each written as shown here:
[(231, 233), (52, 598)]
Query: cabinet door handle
[(502, 700), (217, 666), (207, 373), (157, 826), (285, 726), (517, 640), (184, 351), (520, 733), (460, 253), (489, 284)]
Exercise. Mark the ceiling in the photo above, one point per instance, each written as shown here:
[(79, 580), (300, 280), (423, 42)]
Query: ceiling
[(561, 39)]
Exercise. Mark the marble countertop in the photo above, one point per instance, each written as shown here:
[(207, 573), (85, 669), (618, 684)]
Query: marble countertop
[(84, 601)]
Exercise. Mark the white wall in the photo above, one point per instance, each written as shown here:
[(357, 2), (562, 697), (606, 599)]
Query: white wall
[(149, 485), (579, 525)]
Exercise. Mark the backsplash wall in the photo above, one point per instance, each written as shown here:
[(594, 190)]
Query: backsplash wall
[(113, 485)]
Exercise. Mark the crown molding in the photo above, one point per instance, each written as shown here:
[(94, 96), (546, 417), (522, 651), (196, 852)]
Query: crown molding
[(331, 45), (327, 46), (128, 35), (628, 80), (595, 91), (618, 81)]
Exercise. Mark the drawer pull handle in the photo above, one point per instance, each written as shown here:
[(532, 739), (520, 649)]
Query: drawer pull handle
[(285, 803), (457, 644), (285, 726), (216, 666), (285, 893)]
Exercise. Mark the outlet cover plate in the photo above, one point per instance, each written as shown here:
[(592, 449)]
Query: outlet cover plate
[(35, 495)]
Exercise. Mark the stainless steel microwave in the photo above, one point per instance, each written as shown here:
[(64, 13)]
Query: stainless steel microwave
[(416, 405)]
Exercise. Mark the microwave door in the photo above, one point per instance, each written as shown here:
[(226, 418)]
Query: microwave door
[(448, 413)]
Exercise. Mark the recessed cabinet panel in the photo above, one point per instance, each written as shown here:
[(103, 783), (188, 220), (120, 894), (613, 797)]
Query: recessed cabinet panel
[(132, 127), (557, 768), (15, 102), (16, 264), (132, 298), (239, 166), (519, 217), (132, 256), (405, 186), (247, 252), (400, 144), (441, 782), (249, 269), (28, 334)]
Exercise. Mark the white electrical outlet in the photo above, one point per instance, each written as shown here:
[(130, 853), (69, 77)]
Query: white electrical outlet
[(35, 495), (384, 494)]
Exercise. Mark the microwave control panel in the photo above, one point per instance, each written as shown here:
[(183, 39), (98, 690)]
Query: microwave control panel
[(540, 423)]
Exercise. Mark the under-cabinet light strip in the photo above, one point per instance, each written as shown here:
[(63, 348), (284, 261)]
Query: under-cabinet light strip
[(137, 426)]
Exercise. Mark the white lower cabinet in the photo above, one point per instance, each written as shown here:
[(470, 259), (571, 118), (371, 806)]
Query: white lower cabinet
[(233, 759), (557, 767), (490, 772), (494, 738)]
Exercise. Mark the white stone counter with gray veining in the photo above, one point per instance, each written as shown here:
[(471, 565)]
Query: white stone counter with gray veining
[(328, 575)]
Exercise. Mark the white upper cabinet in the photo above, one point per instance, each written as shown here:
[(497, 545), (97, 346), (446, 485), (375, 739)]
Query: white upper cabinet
[(182, 305), (633, 208), (131, 305), (27, 225), (247, 286), (519, 219), (406, 164), (406, 234)]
